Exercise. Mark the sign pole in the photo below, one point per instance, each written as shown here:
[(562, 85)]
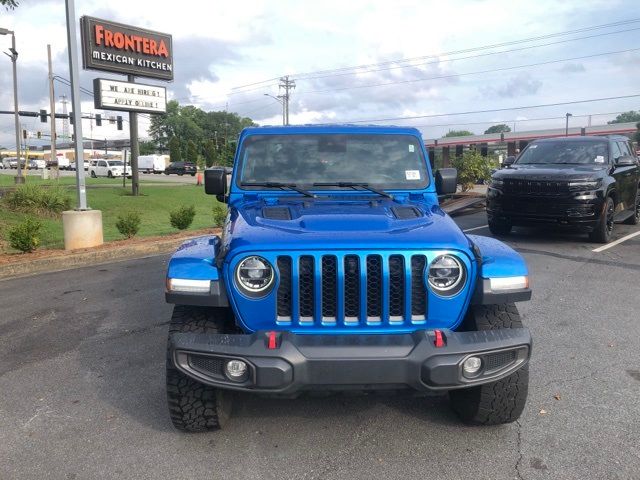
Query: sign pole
[(133, 134), (75, 101)]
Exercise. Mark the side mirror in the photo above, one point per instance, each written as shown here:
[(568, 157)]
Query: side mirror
[(509, 161), (215, 181), (446, 181), (626, 161)]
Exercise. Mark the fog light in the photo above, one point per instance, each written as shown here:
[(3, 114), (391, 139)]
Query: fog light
[(236, 370), (471, 366)]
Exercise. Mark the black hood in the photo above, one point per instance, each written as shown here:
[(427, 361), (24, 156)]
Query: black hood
[(550, 172)]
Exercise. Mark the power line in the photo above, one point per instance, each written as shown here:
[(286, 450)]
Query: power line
[(340, 71), (435, 115), (453, 75), (467, 50), (438, 61)]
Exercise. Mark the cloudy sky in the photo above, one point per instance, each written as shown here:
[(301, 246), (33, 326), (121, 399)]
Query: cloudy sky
[(407, 48)]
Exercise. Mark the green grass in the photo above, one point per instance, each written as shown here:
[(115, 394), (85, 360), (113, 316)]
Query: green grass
[(154, 206), (8, 181)]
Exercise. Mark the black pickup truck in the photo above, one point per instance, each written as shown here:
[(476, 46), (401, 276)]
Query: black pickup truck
[(588, 183)]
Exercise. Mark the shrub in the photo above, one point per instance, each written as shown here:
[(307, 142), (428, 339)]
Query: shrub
[(36, 199), (25, 235), (472, 166), (182, 217), (128, 224), (219, 215)]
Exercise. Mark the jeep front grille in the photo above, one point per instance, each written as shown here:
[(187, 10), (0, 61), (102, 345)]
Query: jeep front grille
[(351, 290)]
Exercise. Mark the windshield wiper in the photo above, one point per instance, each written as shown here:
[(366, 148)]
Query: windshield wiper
[(354, 185), (282, 186)]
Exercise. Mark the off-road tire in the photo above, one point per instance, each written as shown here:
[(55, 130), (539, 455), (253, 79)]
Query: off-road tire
[(635, 218), (193, 406), (497, 402), (500, 228)]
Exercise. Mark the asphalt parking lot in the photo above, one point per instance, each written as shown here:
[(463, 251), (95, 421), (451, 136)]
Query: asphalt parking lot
[(82, 382)]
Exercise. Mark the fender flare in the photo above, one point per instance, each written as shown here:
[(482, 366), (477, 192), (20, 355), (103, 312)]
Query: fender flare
[(497, 260)]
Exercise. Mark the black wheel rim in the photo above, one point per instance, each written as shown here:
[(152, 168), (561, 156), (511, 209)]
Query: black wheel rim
[(610, 217)]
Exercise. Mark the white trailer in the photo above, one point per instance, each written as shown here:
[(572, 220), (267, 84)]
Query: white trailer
[(152, 163)]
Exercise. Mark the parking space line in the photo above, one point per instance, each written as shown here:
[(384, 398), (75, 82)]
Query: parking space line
[(475, 228), (613, 244)]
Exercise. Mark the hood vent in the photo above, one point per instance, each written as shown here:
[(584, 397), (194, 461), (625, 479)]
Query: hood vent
[(406, 213), (276, 213)]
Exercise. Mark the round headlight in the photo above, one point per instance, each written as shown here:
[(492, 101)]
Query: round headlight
[(446, 274), (254, 274)]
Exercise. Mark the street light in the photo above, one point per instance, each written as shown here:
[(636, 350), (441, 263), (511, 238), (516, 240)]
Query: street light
[(14, 57), (281, 102), (566, 127)]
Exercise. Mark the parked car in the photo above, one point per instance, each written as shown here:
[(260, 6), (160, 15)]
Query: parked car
[(10, 162), (588, 183), (339, 271), (37, 164), (181, 168), (61, 162), (109, 168), (87, 164)]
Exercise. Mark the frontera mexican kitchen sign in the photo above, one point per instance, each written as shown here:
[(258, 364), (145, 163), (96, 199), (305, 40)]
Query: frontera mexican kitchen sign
[(117, 48)]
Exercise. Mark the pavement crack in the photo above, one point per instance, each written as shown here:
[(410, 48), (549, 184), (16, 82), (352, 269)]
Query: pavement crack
[(520, 454)]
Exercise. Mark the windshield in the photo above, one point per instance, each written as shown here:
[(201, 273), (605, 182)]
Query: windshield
[(117, 163), (386, 161), (574, 152)]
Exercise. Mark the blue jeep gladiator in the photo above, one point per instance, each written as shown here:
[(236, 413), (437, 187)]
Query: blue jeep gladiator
[(337, 270)]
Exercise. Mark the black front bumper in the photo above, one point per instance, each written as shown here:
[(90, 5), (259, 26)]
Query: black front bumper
[(348, 362)]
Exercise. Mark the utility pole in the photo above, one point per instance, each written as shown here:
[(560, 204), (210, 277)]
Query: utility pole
[(52, 107), (19, 178), (133, 134), (72, 43), (287, 85)]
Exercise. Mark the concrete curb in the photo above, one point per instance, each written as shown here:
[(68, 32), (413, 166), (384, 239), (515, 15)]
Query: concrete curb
[(99, 256)]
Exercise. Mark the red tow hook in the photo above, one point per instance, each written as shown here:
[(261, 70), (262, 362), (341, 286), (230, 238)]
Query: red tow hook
[(439, 341), (271, 340)]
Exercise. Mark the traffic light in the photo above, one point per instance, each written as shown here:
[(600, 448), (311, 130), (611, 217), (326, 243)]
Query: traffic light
[(71, 118), (119, 122), (39, 134), (24, 134), (43, 116), (98, 120)]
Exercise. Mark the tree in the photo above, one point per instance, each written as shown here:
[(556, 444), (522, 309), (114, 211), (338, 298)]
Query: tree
[(175, 154), (636, 136), (9, 4), (458, 133), (209, 153), (193, 123), (630, 116), (472, 166), (147, 147), (192, 152), (500, 128)]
